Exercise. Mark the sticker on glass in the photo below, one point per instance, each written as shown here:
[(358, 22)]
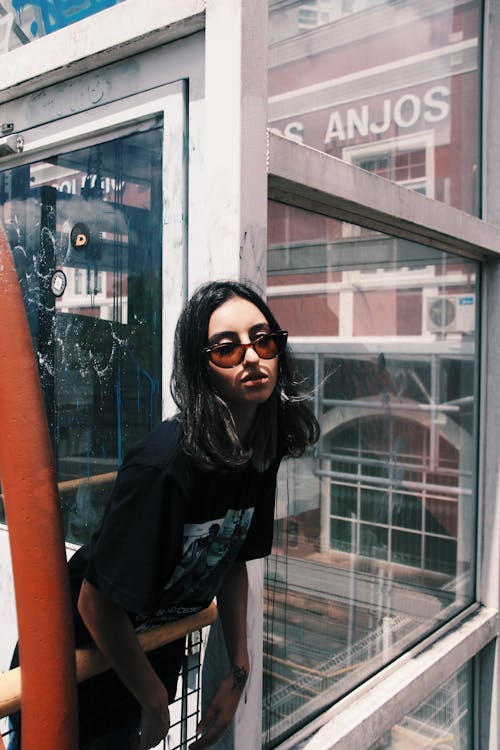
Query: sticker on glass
[(80, 236), (58, 283)]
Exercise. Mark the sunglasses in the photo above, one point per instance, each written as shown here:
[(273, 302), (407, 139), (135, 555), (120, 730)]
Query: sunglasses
[(267, 346)]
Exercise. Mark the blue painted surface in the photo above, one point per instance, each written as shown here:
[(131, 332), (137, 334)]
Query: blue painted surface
[(56, 14)]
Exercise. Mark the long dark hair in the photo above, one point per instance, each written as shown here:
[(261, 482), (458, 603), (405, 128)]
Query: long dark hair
[(283, 425)]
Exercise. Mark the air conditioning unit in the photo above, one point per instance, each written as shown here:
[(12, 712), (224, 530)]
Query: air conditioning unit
[(450, 313), (314, 13)]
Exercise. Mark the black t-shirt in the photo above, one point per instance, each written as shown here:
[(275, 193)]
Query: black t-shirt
[(171, 531)]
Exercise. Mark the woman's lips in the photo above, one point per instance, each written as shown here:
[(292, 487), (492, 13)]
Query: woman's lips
[(254, 377)]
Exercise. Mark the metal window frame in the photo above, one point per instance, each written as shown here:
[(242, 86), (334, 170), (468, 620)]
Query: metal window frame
[(112, 121), (306, 178), (234, 246), (365, 714)]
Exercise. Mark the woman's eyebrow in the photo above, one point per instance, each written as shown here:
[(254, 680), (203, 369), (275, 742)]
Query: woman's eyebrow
[(215, 337), (222, 335), (264, 326)]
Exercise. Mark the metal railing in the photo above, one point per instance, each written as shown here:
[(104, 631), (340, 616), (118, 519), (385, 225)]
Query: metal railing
[(185, 710)]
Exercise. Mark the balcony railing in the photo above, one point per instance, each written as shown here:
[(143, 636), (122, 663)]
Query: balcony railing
[(185, 710)]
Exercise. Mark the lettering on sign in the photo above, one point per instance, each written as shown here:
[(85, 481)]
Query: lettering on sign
[(407, 111)]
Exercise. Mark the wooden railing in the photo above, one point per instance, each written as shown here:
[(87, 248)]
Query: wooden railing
[(90, 661), (69, 485), (99, 480)]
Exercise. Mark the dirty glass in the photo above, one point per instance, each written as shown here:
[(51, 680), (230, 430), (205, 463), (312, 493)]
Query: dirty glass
[(391, 86), (85, 232), (443, 720), (374, 536)]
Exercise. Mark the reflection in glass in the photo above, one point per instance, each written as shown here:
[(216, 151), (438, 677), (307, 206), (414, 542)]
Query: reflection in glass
[(374, 537), (390, 86), (443, 721), (85, 231)]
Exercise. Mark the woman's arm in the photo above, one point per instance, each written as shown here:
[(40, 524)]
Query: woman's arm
[(114, 635), (232, 607)]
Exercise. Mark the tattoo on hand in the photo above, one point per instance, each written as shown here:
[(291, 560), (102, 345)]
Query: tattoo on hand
[(240, 675)]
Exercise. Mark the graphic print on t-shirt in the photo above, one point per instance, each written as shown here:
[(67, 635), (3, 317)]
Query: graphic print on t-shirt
[(206, 546), (208, 550)]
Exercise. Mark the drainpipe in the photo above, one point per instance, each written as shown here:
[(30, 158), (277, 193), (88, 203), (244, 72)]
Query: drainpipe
[(48, 678)]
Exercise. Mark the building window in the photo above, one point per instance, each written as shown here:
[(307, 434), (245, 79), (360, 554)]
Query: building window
[(368, 75), (409, 161), (374, 538)]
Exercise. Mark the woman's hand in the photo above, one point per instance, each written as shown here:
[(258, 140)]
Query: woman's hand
[(112, 631), (221, 710), (232, 606), (154, 727)]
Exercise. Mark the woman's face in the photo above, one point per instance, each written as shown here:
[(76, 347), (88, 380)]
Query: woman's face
[(251, 382)]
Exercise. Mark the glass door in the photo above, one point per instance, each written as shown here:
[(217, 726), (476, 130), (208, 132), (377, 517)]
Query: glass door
[(86, 229)]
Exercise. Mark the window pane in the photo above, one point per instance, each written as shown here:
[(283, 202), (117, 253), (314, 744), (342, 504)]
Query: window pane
[(375, 528), (440, 554), (85, 228), (406, 548), (374, 542), (374, 506), (443, 721), (343, 500), (342, 535), (407, 511), (391, 87)]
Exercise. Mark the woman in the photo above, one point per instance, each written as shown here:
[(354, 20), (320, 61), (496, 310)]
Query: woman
[(191, 504)]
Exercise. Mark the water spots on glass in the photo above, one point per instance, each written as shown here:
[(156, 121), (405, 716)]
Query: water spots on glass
[(99, 344)]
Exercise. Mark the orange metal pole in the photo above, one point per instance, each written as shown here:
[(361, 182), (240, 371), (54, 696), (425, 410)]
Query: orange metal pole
[(48, 693)]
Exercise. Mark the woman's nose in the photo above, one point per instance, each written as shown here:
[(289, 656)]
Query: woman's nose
[(251, 355)]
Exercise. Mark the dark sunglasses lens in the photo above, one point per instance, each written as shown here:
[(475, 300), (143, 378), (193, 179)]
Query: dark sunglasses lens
[(270, 346), (226, 356), (267, 347)]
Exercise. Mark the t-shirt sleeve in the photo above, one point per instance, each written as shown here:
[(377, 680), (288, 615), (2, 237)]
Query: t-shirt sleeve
[(140, 538)]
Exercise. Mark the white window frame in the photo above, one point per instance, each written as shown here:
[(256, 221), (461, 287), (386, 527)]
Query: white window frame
[(309, 179), (423, 140), (111, 121)]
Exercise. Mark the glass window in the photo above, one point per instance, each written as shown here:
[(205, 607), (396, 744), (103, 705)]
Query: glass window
[(85, 230), (391, 87), (381, 514), (443, 721)]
